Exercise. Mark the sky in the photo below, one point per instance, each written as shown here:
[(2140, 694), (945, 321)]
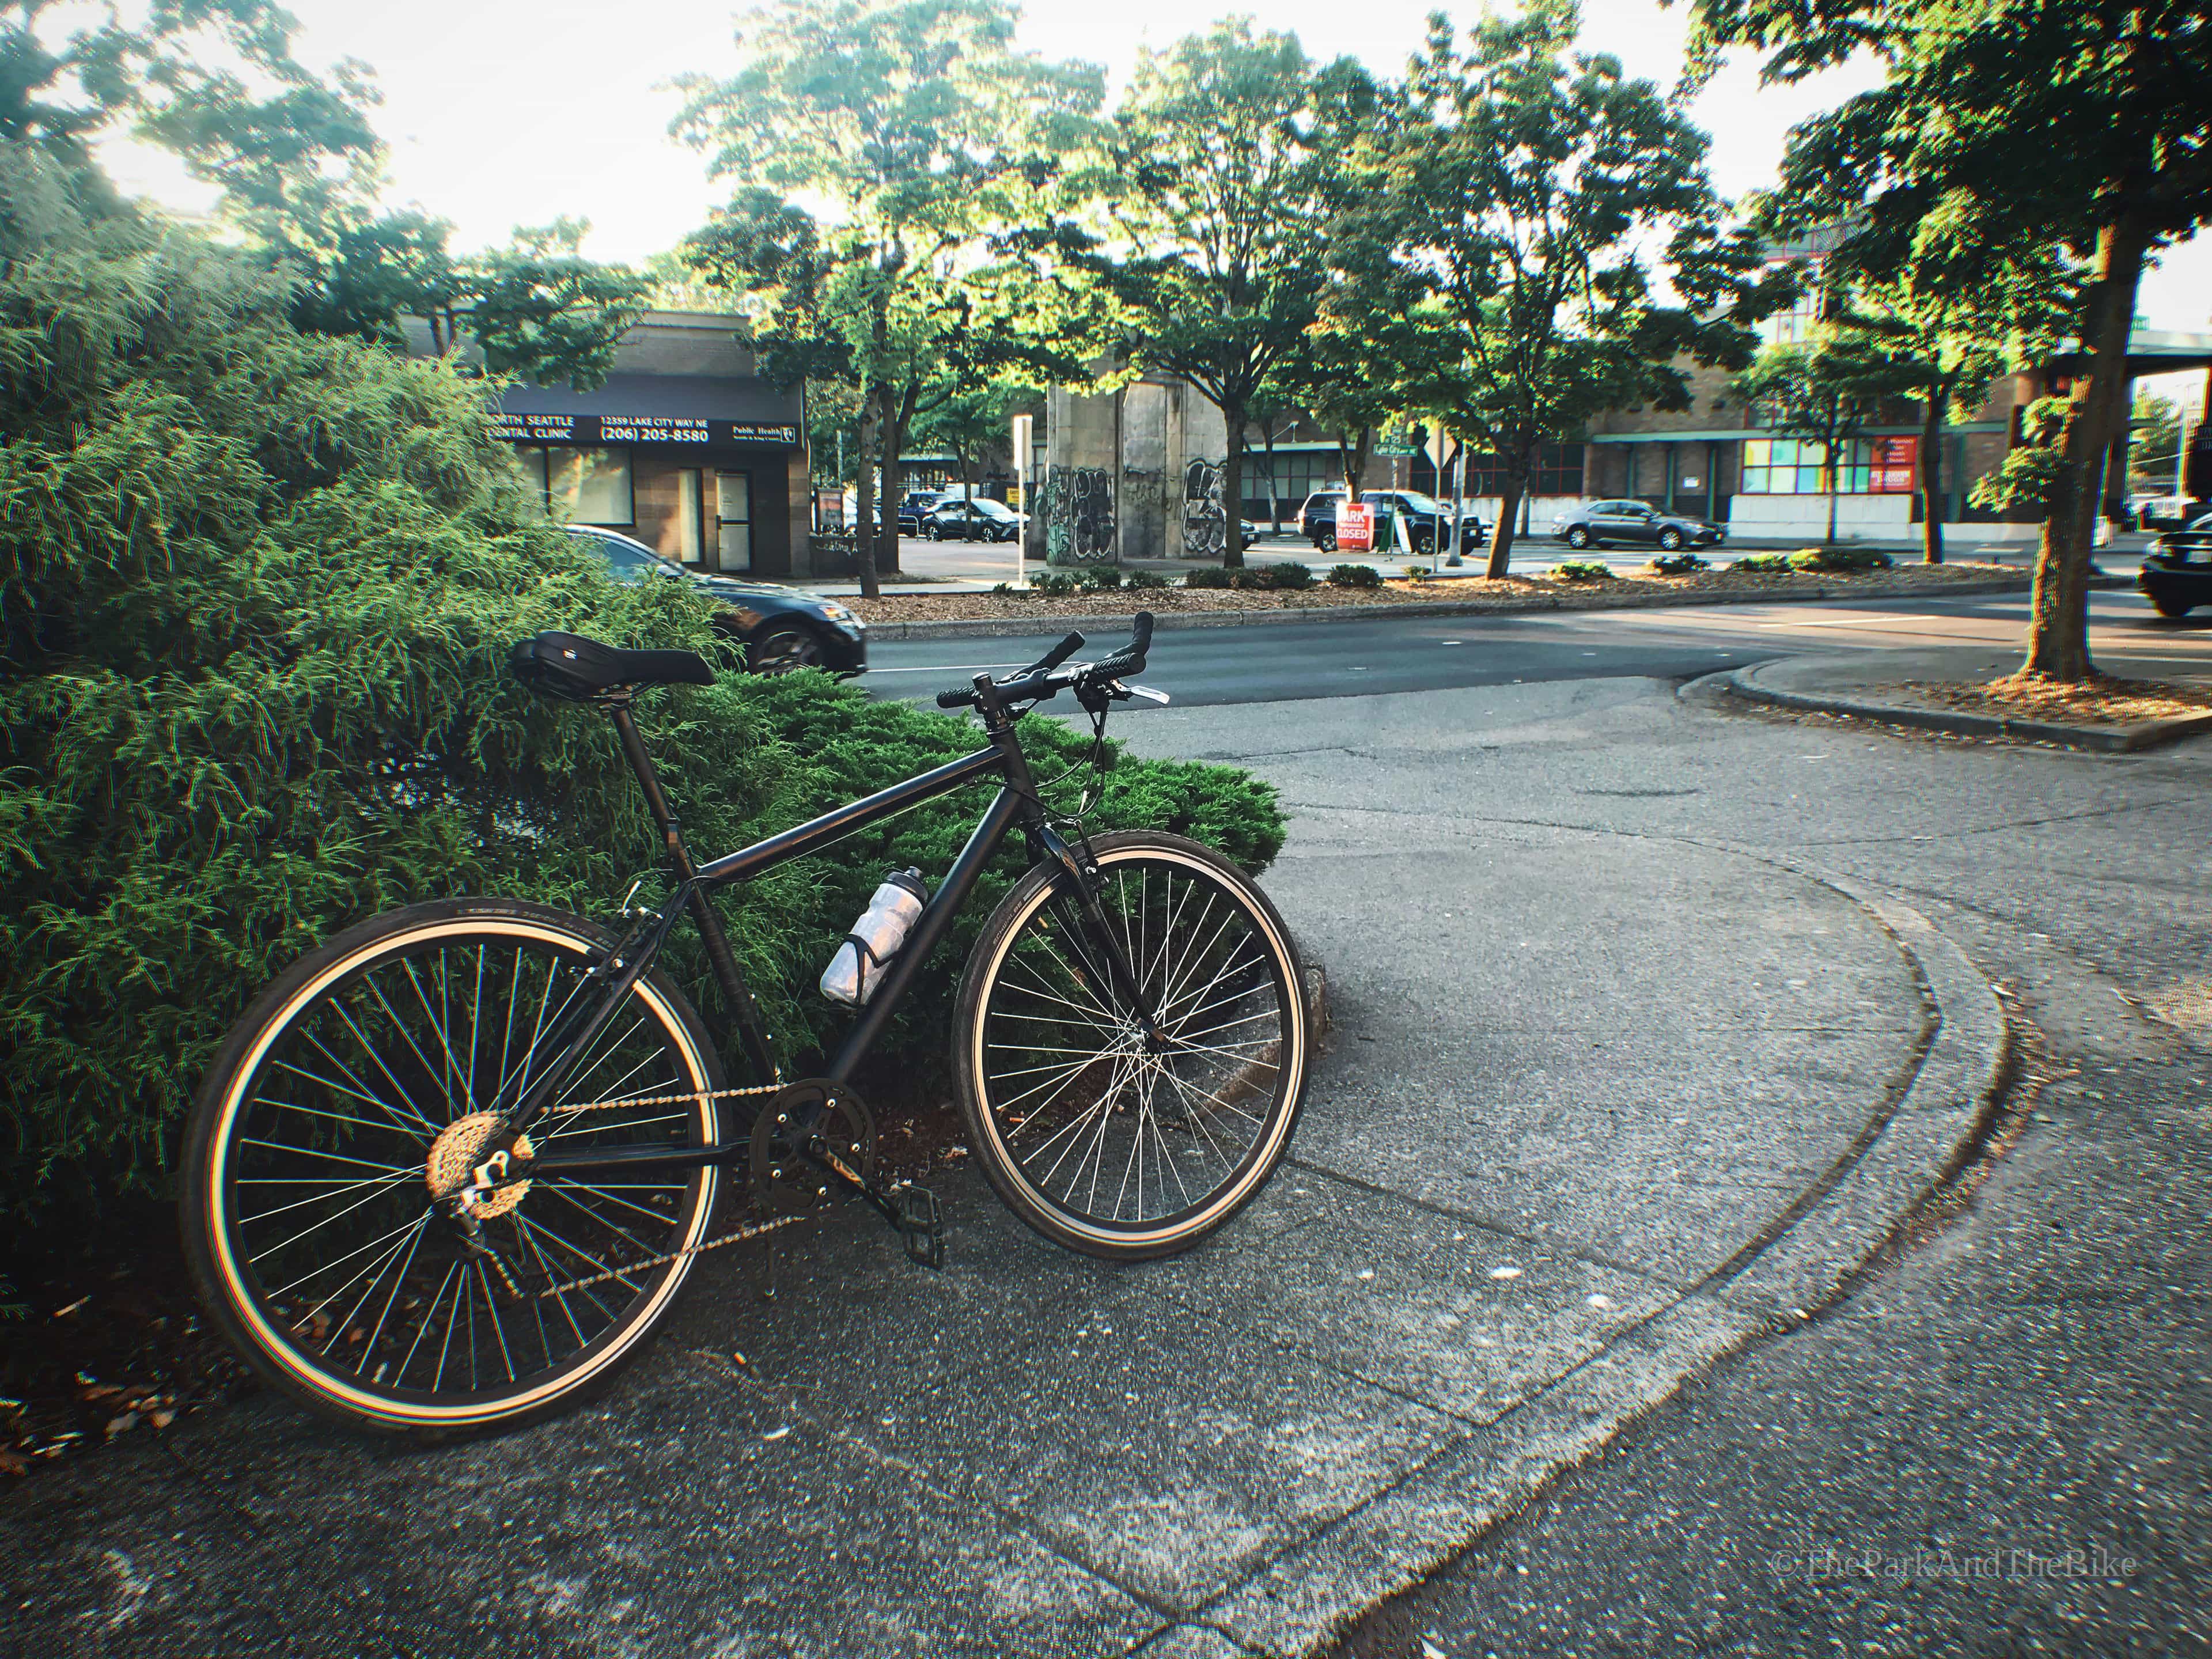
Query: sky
[(501, 114)]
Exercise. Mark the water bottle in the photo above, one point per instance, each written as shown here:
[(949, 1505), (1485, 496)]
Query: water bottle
[(854, 972)]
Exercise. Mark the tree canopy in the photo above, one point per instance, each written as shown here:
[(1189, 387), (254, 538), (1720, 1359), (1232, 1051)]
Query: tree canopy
[(931, 143), (1527, 187), (1213, 247), (2082, 125)]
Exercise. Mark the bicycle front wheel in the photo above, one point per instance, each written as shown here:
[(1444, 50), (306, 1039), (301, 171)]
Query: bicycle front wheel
[(1103, 1140), (358, 1087)]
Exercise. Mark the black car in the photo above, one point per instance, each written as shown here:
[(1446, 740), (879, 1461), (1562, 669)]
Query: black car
[(977, 520), (1636, 522), (2173, 580), (1426, 517), (773, 629)]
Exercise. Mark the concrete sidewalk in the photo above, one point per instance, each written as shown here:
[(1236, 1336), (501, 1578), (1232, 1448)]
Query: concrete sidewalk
[(1599, 1108)]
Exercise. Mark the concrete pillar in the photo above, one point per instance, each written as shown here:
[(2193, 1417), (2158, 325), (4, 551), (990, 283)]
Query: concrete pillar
[(1082, 460)]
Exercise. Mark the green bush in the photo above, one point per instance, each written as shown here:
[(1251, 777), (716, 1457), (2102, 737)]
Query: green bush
[(1354, 575), (1147, 579), (1755, 564), (257, 594), (1208, 576), (1679, 564), (1289, 576), (1099, 579), (1052, 584), (1581, 570), (1839, 559)]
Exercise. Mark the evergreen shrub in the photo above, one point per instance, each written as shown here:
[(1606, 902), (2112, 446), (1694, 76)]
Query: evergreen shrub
[(1581, 570), (1354, 575), (1839, 559), (257, 590)]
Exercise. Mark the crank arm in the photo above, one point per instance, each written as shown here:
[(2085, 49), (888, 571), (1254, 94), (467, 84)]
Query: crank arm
[(911, 1211)]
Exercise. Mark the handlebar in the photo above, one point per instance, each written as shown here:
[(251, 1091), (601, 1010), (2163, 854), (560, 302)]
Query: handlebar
[(1044, 678)]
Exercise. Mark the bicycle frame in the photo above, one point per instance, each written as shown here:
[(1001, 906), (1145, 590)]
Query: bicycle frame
[(1016, 803)]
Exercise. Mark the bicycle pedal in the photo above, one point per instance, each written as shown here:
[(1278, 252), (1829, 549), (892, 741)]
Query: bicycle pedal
[(920, 1228)]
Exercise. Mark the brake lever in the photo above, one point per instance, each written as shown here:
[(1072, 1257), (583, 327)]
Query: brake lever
[(1124, 692)]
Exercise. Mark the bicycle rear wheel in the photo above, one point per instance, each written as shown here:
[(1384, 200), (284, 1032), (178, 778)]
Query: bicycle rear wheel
[(1100, 1140), (361, 1080)]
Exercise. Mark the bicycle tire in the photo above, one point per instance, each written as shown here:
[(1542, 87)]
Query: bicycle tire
[(1186, 1094), (370, 1102)]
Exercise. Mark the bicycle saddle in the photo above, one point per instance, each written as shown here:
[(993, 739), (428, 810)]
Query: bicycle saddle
[(569, 665)]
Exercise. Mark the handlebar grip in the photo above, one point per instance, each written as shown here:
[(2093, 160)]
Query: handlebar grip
[(1059, 654), (955, 699), (1141, 640)]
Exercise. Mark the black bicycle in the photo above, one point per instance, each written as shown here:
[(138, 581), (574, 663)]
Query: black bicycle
[(449, 1171)]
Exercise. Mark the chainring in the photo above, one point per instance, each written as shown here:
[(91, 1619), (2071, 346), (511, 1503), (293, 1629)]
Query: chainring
[(809, 1130)]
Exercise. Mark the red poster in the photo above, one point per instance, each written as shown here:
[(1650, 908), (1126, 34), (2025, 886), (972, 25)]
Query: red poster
[(1895, 461), (1355, 527)]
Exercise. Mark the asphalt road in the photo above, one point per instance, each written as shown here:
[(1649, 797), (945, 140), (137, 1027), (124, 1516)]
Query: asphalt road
[(1293, 661)]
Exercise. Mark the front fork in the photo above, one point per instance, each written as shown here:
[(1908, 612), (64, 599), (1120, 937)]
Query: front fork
[(1079, 877)]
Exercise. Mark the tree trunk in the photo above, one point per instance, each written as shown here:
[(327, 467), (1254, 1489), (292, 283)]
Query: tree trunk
[(1352, 457), (1931, 478), (1274, 491), (1835, 487), (1509, 515), (864, 511), (1232, 488), (2058, 622), (892, 411)]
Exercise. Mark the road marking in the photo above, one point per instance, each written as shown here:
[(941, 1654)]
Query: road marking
[(949, 668)]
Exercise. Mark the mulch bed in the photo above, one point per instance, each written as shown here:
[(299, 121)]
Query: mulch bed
[(1506, 592), (106, 1339), (2103, 700)]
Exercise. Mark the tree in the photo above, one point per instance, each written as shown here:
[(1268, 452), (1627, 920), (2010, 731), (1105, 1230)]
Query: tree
[(1214, 260), (968, 417), (1935, 332), (926, 132), (1816, 394), (1527, 187), (2086, 121), (2155, 445)]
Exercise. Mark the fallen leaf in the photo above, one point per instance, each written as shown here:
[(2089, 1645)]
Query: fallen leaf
[(1505, 1273)]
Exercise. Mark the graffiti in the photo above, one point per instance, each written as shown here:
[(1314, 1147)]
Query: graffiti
[(1079, 516), (1205, 526)]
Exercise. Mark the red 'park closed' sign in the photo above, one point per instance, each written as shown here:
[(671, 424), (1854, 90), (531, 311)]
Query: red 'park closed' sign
[(1355, 527)]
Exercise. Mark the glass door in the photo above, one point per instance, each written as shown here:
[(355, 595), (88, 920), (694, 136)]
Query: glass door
[(733, 520), (690, 517)]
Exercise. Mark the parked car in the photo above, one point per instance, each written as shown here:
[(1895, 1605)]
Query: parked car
[(770, 629), (976, 520), (1634, 522), (2176, 575), (1426, 518)]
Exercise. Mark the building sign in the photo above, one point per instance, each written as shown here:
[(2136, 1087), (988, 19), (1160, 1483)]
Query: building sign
[(1892, 466), (1355, 527), (673, 429)]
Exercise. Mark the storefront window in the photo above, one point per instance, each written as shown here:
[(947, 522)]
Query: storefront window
[(1558, 472), (1791, 466), (584, 486)]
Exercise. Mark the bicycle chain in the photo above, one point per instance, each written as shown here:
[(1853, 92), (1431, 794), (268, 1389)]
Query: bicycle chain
[(738, 1238)]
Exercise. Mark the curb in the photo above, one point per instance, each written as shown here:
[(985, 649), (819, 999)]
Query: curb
[(1306, 1601), (2113, 739), (1169, 621)]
